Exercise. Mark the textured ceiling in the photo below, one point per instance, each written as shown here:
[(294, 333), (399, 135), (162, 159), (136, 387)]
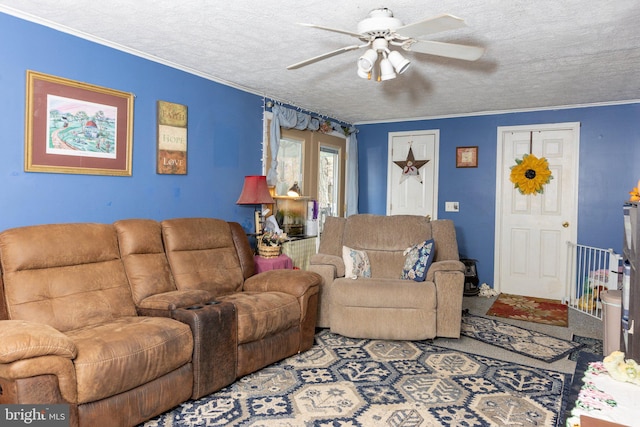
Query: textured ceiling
[(539, 53)]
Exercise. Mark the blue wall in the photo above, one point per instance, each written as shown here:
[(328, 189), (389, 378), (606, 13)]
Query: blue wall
[(224, 137), (224, 143), (609, 169)]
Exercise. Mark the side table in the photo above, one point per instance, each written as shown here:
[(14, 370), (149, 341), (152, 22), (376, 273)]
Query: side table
[(281, 262)]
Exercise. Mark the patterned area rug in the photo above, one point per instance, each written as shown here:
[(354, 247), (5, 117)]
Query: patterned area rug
[(531, 309), (519, 340), (345, 382), (593, 346)]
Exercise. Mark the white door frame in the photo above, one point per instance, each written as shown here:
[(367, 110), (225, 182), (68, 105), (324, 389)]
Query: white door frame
[(435, 162), (500, 167)]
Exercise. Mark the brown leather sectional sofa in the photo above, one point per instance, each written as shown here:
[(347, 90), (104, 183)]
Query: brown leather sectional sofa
[(124, 321)]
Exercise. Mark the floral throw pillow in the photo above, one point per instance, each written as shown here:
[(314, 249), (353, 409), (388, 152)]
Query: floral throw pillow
[(356, 263), (418, 258)]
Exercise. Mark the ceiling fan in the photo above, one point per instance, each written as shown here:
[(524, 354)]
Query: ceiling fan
[(381, 29)]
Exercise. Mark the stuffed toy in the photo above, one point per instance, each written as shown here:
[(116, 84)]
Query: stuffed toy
[(621, 369), (586, 303), (486, 291)]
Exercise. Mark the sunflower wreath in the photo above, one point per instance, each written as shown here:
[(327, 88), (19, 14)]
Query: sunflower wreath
[(530, 174)]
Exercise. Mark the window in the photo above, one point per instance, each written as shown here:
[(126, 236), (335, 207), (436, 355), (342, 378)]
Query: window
[(328, 181), (330, 172), (316, 161), (290, 161)]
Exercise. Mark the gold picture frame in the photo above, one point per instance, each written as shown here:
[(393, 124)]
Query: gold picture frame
[(467, 157), (77, 128)]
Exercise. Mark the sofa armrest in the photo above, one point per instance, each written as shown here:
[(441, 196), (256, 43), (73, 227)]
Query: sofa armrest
[(163, 305), (449, 293), (332, 260), (294, 282), (214, 326), (31, 356), (448, 265), (44, 379), (329, 275), (21, 339)]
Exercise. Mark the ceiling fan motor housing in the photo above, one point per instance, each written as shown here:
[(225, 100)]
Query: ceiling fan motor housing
[(380, 23)]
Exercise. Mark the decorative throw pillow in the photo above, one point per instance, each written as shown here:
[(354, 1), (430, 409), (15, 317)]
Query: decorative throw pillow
[(418, 258), (356, 263)]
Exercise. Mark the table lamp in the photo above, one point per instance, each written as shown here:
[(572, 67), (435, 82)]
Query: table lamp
[(294, 191), (255, 192)]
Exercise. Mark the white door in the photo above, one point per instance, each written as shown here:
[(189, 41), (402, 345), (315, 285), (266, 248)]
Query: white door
[(532, 231), (412, 186)]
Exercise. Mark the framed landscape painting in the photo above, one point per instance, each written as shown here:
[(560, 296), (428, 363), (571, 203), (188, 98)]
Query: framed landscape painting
[(77, 128)]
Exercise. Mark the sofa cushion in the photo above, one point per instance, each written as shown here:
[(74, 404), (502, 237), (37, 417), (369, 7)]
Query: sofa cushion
[(68, 276), (392, 309), (263, 313), (202, 255), (142, 252), (418, 259), (356, 263), (130, 351), (385, 238), (385, 233), (384, 293)]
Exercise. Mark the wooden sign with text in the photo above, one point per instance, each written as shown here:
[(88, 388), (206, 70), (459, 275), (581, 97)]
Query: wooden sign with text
[(172, 139)]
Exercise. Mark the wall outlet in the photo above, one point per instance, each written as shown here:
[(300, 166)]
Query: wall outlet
[(452, 206)]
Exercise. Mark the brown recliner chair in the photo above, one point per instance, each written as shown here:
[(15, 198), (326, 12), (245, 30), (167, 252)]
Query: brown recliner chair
[(382, 305), (210, 259), (70, 333)]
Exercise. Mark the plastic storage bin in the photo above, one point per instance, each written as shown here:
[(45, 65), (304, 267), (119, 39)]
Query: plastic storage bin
[(611, 318)]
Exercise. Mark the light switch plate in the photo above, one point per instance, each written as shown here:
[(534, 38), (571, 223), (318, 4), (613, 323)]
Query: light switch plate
[(452, 207)]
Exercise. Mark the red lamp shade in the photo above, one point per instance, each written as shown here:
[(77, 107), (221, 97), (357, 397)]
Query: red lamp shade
[(255, 191)]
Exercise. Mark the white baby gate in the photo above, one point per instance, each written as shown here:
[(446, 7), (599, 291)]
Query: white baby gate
[(592, 270)]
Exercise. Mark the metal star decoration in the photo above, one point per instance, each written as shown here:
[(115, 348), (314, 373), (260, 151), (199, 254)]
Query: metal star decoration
[(410, 167)]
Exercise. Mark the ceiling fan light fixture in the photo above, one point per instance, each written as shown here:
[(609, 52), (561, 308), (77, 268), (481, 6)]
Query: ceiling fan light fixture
[(399, 62), (364, 74), (386, 70), (367, 60)]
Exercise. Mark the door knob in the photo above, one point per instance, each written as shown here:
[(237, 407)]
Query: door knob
[(565, 224)]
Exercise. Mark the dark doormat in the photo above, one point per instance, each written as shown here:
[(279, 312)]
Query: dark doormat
[(590, 345), (519, 340)]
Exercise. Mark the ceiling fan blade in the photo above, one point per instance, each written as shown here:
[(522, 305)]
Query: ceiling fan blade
[(430, 26), (323, 56), (320, 27), (449, 50)]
